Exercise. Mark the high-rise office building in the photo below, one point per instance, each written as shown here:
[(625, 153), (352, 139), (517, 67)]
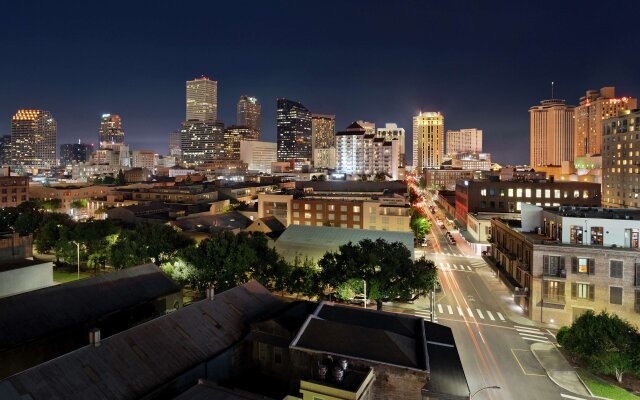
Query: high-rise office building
[(202, 141), (5, 150), (551, 133), (323, 131), (391, 131), (428, 140), (143, 159), (33, 139), (621, 160), (233, 135), (110, 131), (359, 152), (294, 132), (248, 113), (258, 155), (75, 153), (464, 141), (174, 141), (594, 108), (202, 99)]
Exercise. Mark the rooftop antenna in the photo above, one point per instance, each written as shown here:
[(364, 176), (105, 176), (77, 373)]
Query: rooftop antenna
[(552, 83)]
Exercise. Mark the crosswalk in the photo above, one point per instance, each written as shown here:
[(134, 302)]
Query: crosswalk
[(447, 253), (531, 334), (456, 267), (476, 313)]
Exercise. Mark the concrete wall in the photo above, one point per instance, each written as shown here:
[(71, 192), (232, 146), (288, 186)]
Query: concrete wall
[(24, 279)]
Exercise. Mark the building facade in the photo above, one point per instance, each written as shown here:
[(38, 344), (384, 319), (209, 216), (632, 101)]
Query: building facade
[(174, 141), (33, 139), (233, 135), (428, 140), (258, 155), (294, 132), (552, 126), (324, 158), (202, 99), (464, 141), (323, 131), (596, 106), (391, 132), (361, 153), (445, 179), (580, 260), (110, 131), (75, 153), (202, 141), (14, 190), (621, 160), (5, 149), (510, 196), (143, 159), (248, 113)]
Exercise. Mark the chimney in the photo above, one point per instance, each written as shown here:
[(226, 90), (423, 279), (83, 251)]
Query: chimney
[(94, 337), (210, 293)]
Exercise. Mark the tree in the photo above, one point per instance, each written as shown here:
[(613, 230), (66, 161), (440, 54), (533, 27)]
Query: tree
[(605, 342), (29, 218), (120, 179), (50, 231), (51, 204), (419, 225), (380, 177), (364, 177), (322, 178), (386, 267), (79, 203)]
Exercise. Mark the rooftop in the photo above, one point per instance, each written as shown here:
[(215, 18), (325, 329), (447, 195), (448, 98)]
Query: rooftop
[(353, 186), (11, 264), (595, 212), (227, 221)]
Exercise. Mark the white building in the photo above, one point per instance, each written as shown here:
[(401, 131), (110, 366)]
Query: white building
[(464, 141), (324, 158), (143, 159), (390, 132), (361, 153), (258, 155)]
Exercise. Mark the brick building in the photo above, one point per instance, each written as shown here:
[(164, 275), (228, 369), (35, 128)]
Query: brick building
[(14, 190)]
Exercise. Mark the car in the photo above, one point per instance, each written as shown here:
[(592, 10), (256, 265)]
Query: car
[(424, 244), (359, 299)]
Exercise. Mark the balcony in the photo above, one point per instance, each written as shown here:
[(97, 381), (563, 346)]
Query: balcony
[(559, 273), (554, 298)]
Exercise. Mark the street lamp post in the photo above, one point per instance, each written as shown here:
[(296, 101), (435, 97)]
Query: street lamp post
[(484, 388), (364, 304), (78, 246)]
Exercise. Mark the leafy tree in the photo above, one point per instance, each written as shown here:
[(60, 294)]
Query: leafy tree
[(364, 178), (8, 216), (79, 203), (305, 278), (120, 179), (380, 177), (420, 225), (51, 204), (322, 178), (386, 267), (50, 231), (29, 218), (605, 342), (422, 183)]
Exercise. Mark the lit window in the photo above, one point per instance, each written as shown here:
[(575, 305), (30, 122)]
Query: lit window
[(538, 193), (518, 192), (527, 193), (510, 192)]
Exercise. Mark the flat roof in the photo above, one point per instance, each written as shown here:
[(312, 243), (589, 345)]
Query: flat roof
[(595, 212)]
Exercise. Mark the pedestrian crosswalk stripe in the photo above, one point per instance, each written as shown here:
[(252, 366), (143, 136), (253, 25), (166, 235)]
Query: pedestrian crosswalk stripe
[(470, 312), (500, 316), (490, 315), (535, 340), (524, 335), (460, 311), (480, 313), (440, 308), (450, 309)]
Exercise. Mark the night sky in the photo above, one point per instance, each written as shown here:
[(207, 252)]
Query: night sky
[(482, 65)]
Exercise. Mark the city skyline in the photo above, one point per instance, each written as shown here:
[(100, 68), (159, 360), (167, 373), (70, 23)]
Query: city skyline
[(147, 92)]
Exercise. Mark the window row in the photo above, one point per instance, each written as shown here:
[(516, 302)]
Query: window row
[(537, 193), (330, 207), (555, 266)]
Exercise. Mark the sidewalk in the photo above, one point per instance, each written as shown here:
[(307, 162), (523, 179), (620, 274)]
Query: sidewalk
[(558, 368)]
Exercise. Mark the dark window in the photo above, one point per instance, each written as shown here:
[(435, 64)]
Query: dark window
[(554, 266), (636, 305), (615, 268), (637, 277), (615, 295)]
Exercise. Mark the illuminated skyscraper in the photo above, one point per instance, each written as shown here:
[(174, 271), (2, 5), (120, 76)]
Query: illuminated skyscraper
[(392, 132), (202, 99), (594, 108), (75, 153), (233, 135), (428, 140), (294, 132), (202, 141), (174, 141), (323, 131), (248, 113), (551, 133), (33, 139), (110, 131)]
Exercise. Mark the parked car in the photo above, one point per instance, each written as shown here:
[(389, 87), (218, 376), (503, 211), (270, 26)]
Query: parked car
[(359, 299)]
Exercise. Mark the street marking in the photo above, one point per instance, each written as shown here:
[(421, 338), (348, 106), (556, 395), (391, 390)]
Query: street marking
[(460, 311), (520, 364), (533, 336), (567, 396), (500, 316), (470, 312), (490, 315), (528, 330), (450, 309), (535, 340), (480, 313), (440, 308), (448, 266)]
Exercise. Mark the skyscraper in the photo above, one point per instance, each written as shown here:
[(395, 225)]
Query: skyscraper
[(392, 132), (294, 132), (621, 161), (202, 99), (202, 141), (248, 113), (323, 131), (33, 139), (5, 150), (359, 152), (233, 135), (75, 153), (174, 141), (551, 133), (110, 131), (464, 141), (594, 108), (428, 140)]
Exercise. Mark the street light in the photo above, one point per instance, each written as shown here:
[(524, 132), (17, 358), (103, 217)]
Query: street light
[(78, 245), (484, 388)]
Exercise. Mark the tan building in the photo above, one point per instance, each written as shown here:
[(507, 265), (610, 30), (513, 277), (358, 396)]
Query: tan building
[(202, 99), (323, 131), (143, 159), (445, 179), (428, 140), (594, 108), (33, 139), (580, 259), (464, 141), (175, 194), (97, 196), (551, 133), (14, 190), (621, 160)]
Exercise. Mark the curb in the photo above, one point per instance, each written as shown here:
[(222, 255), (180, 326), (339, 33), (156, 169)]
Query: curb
[(556, 382)]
